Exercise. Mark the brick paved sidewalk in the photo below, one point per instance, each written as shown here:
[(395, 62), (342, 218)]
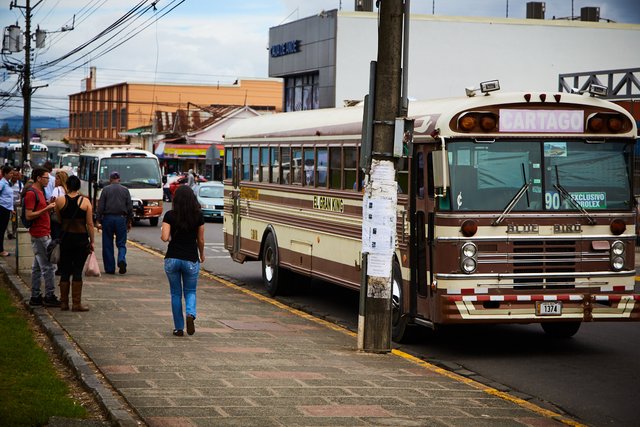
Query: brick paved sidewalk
[(254, 362)]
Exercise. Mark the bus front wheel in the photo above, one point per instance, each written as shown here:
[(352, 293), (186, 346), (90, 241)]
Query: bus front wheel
[(272, 274), (153, 222), (561, 329), (398, 318)]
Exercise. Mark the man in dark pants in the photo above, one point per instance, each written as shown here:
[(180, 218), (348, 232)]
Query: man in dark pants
[(114, 218)]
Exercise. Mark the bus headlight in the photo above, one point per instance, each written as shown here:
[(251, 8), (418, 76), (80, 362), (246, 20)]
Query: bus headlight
[(153, 203), (468, 254), (617, 263), (469, 265), (469, 250), (617, 248)]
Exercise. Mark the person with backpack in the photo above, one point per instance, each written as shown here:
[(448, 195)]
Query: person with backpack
[(6, 205), (38, 218)]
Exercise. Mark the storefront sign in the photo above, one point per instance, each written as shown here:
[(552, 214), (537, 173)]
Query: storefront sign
[(286, 48), (179, 150)]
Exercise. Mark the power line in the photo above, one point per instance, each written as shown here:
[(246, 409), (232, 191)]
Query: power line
[(124, 38)]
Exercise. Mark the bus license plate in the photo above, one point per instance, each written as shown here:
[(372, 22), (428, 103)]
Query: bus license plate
[(548, 308)]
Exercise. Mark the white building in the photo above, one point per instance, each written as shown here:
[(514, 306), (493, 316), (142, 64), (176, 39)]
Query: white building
[(325, 59)]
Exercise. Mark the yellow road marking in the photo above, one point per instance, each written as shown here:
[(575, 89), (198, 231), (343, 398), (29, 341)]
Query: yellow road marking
[(433, 368)]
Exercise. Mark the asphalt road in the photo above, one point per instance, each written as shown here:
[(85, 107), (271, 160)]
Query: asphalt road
[(593, 377)]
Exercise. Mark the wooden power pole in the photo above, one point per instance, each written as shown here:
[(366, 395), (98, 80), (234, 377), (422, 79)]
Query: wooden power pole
[(380, 193)]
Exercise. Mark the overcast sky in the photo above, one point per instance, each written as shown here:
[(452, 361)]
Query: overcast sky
[(198, 41)]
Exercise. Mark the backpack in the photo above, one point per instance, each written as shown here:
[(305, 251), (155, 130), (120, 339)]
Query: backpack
[(23, 212)]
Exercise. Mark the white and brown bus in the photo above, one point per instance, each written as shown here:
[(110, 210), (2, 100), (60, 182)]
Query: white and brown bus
[(512, 208)]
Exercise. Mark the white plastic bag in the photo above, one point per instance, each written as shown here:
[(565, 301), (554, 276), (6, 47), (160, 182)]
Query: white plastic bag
[(91, 267)]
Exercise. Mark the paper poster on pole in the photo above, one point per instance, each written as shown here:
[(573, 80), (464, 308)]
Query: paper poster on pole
[(379, 265)]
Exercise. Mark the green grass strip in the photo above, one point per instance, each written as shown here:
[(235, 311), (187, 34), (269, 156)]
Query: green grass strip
[(30, 390)]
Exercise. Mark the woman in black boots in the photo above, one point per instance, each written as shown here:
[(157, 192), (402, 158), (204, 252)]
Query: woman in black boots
[(76, 242)]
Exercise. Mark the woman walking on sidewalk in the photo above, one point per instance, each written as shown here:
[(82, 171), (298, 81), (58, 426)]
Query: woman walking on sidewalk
[(183, 228), (76, 242)]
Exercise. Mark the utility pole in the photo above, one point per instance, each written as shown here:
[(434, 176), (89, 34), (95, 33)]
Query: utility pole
[(26, 88), (26, 82), (380, 197)]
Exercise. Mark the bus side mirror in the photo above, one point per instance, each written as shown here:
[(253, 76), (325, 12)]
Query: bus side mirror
[(440, 171)]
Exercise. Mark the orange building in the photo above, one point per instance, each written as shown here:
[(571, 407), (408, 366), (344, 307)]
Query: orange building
[(99, 115)]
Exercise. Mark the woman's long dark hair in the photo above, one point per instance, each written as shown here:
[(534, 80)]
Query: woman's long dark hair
[(186, 208)]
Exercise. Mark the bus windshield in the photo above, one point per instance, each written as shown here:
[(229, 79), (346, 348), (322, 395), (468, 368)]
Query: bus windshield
[(549, 175), (135, 172)]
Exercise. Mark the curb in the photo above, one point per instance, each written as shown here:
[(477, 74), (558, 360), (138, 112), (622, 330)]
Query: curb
[(118, 413)]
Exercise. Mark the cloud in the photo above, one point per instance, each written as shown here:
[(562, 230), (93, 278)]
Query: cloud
[(206, 41)]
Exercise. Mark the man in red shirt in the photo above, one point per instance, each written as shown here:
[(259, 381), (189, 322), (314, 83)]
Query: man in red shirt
[(40, 232)]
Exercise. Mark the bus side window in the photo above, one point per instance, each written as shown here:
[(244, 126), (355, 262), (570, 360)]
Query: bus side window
[(350, 168), (246, 171), (309, 167), (264, 165), (335, 168), (228, 161), (274, 166), (296, 165), (285, 163), (255, 165), (321, 168)]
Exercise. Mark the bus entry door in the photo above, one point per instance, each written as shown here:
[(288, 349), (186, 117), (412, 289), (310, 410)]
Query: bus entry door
[(419, 245), (235, 196)]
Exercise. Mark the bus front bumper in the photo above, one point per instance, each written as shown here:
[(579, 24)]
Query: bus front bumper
[(540, 308)]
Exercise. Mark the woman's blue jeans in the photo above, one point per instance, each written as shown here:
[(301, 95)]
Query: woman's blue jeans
[(183, 280)]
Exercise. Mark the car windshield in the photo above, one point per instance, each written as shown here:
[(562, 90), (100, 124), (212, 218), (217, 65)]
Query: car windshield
[(135, 172), (210, 192), (545, 175)]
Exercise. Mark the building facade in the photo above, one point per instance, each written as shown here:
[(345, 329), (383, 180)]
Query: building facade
[(325, 59), (102, 116)]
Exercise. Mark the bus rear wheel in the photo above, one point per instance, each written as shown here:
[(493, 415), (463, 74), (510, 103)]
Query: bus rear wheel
[(561, 329), (398, 318), (272, 274)]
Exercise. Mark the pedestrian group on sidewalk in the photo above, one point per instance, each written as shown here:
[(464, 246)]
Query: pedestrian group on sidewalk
[(55, 213)]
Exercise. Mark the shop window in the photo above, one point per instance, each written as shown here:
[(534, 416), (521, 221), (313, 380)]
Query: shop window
[(302, 92)]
